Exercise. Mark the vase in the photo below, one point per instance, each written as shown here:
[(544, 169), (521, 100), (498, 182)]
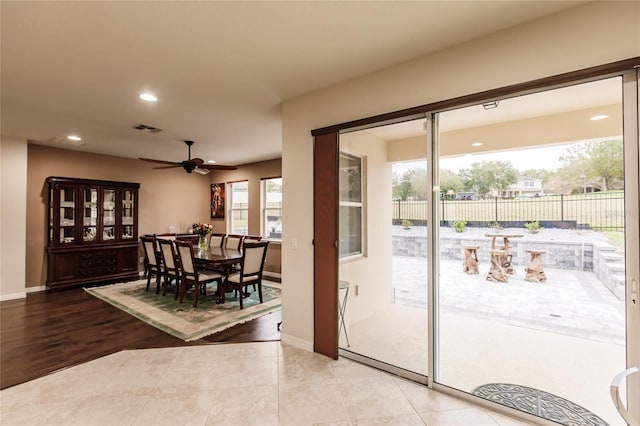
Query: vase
[(203, 243)]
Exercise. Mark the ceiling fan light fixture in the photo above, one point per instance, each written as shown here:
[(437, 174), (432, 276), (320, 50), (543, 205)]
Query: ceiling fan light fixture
[(75, 138), (599, 117), (201, 171)]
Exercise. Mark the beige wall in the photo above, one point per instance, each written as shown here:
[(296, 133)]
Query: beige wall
[(167, 197), (13, 224), (595, 33), (253, 173)]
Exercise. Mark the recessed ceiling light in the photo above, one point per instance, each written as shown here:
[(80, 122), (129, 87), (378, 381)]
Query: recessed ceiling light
[(74, 138), (599, 117), (211, 161), (477, 144), (148, 97)]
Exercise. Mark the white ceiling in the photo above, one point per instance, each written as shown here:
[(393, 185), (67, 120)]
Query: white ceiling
[(220, 69)]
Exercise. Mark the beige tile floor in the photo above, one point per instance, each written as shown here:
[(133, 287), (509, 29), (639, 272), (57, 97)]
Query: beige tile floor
[(266, 383)]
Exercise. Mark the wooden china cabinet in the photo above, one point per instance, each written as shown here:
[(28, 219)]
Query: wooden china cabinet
[(92, 231)]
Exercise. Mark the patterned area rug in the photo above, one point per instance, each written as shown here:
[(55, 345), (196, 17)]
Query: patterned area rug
[(182, 319), (539, 403)]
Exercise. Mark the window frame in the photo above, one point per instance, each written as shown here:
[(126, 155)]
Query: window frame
[(361, 204), (264, 208), (232, 209)]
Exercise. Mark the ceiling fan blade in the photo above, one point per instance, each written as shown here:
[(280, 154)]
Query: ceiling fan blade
[(151, 160), (201, 171), (197, 161), (217, 167), (168, 167)]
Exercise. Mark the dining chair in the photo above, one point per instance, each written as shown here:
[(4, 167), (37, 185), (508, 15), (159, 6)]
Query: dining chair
[(171, 266), (253, 237), (190, 274), (234, 241), (153, 260), (251, 267), (217, 240)]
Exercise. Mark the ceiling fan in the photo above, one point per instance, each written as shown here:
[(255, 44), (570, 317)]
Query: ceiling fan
[(191, 164)]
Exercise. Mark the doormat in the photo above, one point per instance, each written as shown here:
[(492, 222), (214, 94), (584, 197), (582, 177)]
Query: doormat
[(539, 403)]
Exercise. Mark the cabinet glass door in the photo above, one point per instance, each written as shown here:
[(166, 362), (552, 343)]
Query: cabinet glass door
[(127, 214), (67, 215), (90, 216), (109, 217)]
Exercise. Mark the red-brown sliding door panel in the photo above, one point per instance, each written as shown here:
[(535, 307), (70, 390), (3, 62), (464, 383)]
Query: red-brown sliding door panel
[(325, 237)]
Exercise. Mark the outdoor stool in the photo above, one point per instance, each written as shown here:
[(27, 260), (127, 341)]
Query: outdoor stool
[(496, 270), (534, 270), (470, 263)]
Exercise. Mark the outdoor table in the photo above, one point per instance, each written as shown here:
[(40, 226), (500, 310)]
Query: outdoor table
[(501, 256)]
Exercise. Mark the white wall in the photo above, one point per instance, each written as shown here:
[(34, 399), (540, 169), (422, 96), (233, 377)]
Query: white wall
[(13, 217), (594, 34), (371, 272)]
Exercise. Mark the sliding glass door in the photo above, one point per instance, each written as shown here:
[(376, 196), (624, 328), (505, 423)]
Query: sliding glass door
[(491, 251), (531, 290), (383, 247)]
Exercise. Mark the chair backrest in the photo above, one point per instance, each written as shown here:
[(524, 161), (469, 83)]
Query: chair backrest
[(253, 257), (168, 254), (234, 241), (149, 246), (185, 254), (217, 240), (253, 237)]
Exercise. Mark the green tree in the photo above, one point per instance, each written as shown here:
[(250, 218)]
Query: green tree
[(606, 161), (419, 184), (489, 176), (401, 185), (593, 161), (450, 181)]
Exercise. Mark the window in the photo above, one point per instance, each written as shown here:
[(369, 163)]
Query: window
[(239, 214), (271, 196), (351, 205)]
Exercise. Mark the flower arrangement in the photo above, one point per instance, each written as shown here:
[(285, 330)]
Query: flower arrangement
[(202, 229)]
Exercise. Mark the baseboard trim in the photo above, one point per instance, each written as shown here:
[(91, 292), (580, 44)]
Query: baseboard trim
[(36, 289), (298, 343), (13, 296), (272, 276)]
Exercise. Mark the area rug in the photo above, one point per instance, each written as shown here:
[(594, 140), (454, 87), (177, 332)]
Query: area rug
[(182, 319), (539, 403)]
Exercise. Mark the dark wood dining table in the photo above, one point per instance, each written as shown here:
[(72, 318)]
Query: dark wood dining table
[(221, 259)]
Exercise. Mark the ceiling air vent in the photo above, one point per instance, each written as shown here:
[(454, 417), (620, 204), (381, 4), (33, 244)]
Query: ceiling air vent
[(145, 128)]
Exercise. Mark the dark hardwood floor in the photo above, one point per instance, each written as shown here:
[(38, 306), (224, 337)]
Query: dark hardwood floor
[(49, 331)]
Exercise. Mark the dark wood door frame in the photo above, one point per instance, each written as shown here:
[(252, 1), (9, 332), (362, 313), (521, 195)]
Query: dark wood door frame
[(325, 240)]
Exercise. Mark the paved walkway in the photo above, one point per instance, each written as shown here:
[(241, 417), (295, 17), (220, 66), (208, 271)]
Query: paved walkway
[(573, 303)]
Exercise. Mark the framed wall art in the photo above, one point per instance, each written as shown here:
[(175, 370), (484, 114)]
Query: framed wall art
[(217, 201)]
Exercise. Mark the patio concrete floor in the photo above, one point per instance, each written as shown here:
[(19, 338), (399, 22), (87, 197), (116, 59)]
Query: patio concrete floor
[(565, 336)]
